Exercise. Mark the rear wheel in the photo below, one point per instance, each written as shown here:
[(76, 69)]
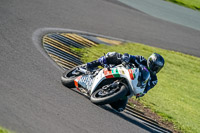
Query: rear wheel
[(69, 76), (105, 95)]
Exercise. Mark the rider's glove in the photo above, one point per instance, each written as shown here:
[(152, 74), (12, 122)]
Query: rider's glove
[(107, 66), (125, 59)]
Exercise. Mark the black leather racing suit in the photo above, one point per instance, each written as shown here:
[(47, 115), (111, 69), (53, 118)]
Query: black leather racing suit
[(115, 58)]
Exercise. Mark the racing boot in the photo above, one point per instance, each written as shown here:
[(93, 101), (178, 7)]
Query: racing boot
[(119, 105)]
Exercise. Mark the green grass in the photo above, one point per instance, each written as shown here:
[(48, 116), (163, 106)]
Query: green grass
[(176, 97), (194, 4), (3, 130)]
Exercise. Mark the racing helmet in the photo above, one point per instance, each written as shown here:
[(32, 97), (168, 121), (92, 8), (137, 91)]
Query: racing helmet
[(155, 63)]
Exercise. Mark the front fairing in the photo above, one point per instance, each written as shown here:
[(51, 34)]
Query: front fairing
[(116, 72), (134, 83), (131, 75)]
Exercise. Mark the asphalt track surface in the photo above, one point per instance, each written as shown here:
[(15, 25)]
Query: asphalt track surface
[(32, 98), (167, 11)]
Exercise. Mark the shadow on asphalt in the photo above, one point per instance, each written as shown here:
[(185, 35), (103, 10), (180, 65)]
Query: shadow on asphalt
[(143, 124)]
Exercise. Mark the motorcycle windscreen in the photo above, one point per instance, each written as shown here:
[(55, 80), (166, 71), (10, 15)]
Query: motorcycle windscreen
[(143, 77)]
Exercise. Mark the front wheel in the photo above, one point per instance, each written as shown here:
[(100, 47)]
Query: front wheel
[(102, 96)]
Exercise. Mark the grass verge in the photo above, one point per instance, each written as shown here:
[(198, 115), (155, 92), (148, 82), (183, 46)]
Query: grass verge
[(3, 130), (193, 4), (176, 97)]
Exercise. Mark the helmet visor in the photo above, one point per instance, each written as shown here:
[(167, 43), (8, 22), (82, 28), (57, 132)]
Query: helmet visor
[(155, 68)]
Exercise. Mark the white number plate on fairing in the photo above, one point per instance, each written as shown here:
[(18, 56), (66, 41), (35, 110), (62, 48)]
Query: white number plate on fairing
[(86, 81)]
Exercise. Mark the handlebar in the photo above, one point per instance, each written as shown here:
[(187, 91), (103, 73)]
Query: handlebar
[(128, 65)]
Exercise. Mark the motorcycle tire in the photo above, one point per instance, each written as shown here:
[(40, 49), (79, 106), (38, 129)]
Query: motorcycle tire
[(67, 78), (108, 99)]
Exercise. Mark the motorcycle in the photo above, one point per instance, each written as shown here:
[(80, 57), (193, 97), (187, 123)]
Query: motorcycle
[(109, 84)]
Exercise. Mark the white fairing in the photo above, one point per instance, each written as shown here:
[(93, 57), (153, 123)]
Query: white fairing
[(131, 75), (97, 80), (136, 90)]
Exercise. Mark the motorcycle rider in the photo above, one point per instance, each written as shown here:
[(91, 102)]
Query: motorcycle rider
[(154, 64)]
